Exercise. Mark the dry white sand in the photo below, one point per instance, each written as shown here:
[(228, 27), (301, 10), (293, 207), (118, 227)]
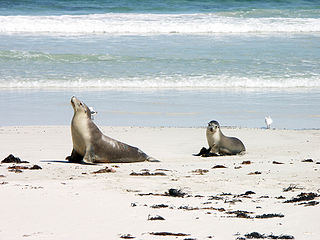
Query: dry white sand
[(68, 201)]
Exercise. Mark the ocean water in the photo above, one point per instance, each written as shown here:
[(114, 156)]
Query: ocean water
[(161, 63)]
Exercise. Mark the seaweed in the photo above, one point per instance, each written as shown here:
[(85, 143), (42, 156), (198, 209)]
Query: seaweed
[(155, 218), (159, 206), (147, 173), (13, 159), (270, 215), (127, 236), (175, 193), (218, 166), (169, 234), (104, 170), (303, 197)]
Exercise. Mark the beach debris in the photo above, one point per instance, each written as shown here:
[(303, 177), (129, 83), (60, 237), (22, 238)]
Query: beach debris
[(215, 209), (303, 197), (175, 193), (163, 170), (269, 215), (200, 171), (155, 218), (275, 162), (240, 213), (307, 160), (3, 183), (280, 197), (12, 159), (169, 234), (145, 172), (105, 170), (233, 201), (127, 236), (15, 170), (256, 235), (215, 198), (255, 173), (152, 194), (188, 208), (35, 167), (219, 166), (247, 193), (159, 206), (268, 120), (132, 190), (2, 176), (265, 196), (18, 167), (310, 203), (246, 162), (226, 194), (292, 187)]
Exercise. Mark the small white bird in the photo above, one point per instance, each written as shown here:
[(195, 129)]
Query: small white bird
[(93, 112), (268, 121)]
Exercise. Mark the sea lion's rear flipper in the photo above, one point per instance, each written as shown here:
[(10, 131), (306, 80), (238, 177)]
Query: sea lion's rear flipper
[(210, 154), (151, 159)]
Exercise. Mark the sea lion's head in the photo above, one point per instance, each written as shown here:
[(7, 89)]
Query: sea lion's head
[(80, 107), (213, 126)]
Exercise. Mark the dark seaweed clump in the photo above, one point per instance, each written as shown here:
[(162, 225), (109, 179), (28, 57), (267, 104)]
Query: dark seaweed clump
[(270, 215), (127, 236), (169, 234), (303, 197), (12, 159), (256, 235), (175, 193)]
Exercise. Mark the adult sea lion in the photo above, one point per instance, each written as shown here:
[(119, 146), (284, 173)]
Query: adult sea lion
[(90, 145), (219, 144)]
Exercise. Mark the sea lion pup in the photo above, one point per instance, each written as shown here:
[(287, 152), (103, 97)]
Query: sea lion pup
[(90, 145), (219, 144)]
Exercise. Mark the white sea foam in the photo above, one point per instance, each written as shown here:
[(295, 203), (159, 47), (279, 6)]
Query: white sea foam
[(120, 23), (207, 82)]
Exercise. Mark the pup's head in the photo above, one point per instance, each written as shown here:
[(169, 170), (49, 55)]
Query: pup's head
[(80, 107), (213, 126)]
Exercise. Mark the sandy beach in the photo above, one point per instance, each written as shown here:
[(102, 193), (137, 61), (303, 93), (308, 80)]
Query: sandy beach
[(273, 190)]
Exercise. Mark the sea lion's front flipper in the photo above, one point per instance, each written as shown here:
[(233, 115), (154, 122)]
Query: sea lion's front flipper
[(74, 157), (89, 157)]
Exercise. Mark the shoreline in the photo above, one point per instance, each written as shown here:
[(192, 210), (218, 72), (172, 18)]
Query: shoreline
[(223, 197), (164, 108)]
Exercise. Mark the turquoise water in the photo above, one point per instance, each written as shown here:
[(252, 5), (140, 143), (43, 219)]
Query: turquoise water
[(209, 56), (166, 107)]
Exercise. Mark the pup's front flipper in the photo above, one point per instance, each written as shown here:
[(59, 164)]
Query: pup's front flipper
[(202, 152)]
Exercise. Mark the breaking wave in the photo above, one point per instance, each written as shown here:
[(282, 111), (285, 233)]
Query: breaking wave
[(125, 23)]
